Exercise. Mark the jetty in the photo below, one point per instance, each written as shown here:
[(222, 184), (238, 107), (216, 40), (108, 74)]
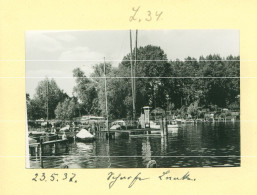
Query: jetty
[(42, 148)]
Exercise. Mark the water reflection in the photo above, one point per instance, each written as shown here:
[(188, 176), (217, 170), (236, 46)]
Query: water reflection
[(164, 141), (146, 150), (201, 145)]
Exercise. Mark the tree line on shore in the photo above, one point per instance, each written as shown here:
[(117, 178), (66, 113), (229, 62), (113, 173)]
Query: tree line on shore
[(184, 87)]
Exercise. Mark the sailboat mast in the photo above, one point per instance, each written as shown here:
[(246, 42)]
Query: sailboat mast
[(47, 106), (106, 105), (132, 78), (135, 68)]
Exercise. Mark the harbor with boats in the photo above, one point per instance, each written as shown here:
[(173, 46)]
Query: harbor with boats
[(188, 145), (143, 111), (91, 136)]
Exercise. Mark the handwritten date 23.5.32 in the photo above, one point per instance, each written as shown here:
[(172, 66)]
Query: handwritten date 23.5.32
[(54, 177), (139, 15)]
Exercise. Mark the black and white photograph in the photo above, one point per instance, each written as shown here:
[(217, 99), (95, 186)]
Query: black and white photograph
[(132, 98)]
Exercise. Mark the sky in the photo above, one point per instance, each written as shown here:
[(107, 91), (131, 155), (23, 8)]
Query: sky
[(54, 54)]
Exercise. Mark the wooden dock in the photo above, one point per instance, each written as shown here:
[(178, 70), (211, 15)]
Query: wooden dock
[(146, 135), (131, 130), (48, 148), (113, 133)]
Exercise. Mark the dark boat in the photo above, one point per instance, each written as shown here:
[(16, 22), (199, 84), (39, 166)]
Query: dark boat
[(42, 135)]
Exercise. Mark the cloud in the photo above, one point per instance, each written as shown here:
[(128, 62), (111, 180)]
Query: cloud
[(65, 37), (47, 73), (83, 57), (40, 41), (64, 80), (81, 53)]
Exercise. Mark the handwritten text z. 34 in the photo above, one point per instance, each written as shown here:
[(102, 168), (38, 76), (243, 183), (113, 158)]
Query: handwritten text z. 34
[(148, 16)]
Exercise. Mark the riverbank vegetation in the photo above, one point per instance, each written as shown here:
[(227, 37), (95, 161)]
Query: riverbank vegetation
[(184, 88)]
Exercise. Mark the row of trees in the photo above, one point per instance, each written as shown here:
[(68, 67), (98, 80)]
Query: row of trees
[(171, 85)]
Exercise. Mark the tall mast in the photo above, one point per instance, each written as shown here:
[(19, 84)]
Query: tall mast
[(106, 105), (47, 112), (135, 68), (132, 78)]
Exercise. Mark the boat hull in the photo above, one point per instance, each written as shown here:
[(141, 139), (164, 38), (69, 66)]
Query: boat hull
[(88, 139), (84, 136)]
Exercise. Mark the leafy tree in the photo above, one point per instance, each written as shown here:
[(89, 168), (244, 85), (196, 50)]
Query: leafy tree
[(217, 89), (193, 109), (85, 90), (151, 87), (47, 97), (67, 110), (98, 77), (34, 110)]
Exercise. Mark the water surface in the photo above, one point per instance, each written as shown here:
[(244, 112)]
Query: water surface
[(201, 145)]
